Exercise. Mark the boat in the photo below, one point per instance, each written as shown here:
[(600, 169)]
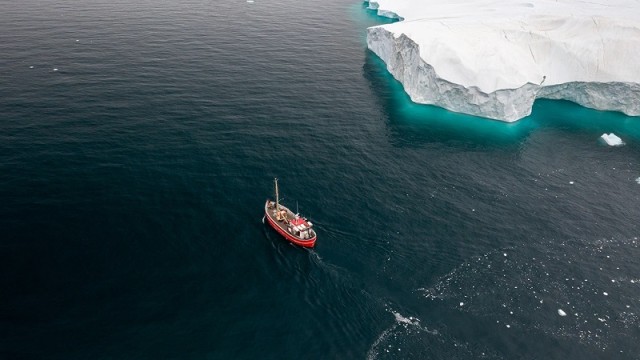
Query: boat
[(293, 227)]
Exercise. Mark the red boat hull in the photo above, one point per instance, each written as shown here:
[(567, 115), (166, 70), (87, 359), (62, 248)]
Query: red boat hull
[(304, 243)]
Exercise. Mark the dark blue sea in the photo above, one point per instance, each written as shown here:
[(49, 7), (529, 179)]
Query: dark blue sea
[(139, 141)]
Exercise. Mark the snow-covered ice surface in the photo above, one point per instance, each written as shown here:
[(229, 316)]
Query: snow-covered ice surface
[(493, 58), (612, 139)]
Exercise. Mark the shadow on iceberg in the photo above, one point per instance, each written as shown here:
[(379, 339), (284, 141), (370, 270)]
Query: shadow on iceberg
[(412, 124)]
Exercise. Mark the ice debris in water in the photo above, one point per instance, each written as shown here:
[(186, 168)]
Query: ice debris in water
[(571, 182), (605, 294), (461, 304), (561, 312), (612, 139), (638, 180)]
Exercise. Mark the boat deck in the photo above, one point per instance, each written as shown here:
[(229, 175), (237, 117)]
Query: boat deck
[(270, 209)]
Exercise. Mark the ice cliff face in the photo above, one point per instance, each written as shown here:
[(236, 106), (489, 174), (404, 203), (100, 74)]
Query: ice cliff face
[(493, 58)]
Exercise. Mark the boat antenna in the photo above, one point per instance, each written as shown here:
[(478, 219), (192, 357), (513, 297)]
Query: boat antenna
[(297, 211), (277, 195)]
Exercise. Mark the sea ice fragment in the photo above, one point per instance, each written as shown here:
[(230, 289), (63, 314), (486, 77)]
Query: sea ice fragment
[(612, 139)]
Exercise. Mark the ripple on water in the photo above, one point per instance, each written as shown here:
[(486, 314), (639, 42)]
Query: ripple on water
[(568, 291)]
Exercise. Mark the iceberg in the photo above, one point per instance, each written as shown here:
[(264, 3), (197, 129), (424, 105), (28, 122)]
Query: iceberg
[(612, 139), (493, 58)]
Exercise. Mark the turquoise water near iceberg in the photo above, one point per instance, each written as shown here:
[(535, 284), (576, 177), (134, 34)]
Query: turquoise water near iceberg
[(132, 181)]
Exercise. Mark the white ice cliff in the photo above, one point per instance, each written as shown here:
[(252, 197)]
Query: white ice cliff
[(493, 58)]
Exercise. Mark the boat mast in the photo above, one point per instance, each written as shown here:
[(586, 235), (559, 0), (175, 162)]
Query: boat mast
[(277, 196)]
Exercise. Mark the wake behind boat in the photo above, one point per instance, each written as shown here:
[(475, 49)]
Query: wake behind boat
[(293, 227)]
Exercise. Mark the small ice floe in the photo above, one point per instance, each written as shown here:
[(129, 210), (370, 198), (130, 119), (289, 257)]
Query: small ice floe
[(31, 67), (55, 69), (570, 182), (561, 312), (461, 304), (612, 139), (508, 326), (605, 293), (77, 40), (638, 180)]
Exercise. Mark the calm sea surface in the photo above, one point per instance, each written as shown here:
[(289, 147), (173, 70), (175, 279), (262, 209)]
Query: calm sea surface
[(133, 178)]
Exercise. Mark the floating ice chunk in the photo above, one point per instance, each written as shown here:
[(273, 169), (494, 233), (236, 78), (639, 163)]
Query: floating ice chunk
[(508, 326), (605, 293), (561, 312), (638, 180), (55, 69), (31, 67), (461, 304), (612, 139), (571, 182)]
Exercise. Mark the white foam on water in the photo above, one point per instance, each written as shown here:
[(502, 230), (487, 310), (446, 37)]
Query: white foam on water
[(403, 320), (407, 332)]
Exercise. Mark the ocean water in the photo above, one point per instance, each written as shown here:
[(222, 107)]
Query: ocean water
[(139, 140)]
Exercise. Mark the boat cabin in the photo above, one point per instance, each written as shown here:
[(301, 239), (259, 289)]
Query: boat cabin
[(300, 227)]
